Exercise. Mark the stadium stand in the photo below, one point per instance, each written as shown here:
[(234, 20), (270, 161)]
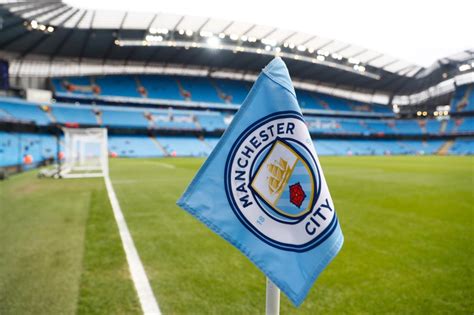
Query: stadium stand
[(26, 149), (161, 87), (199, 129), (133, 146), (23, 110), (141, 117), (15, 146), (123, 117), (463, 99), (73, 114), (118, 86), (233, 91), (466, 124), (196, 89), (463, 147), (185, 146)]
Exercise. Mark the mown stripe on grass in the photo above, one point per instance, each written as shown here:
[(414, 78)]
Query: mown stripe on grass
[(106, 286), (42, 226)]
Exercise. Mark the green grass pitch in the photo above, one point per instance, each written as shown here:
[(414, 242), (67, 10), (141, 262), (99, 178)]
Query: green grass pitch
[(407, 221)]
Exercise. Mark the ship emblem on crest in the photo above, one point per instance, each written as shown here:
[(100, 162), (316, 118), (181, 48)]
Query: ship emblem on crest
[(279, 175), (283, 181)]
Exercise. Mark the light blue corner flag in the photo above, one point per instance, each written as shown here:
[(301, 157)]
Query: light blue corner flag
[(263, 190)]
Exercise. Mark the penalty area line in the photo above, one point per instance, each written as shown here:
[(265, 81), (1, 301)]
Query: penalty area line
[(139, 277)]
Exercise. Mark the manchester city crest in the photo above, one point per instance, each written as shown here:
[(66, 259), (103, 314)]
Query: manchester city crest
[(273, 183)]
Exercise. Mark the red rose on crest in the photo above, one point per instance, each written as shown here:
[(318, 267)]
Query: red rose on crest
[(297, 194)]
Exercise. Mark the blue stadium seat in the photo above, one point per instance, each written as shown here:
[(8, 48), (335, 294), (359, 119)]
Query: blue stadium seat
[(23, 110), (161, 87), (463, 146), (185, 146), (211, 121), (133, 146), (175, 119), (238, 90), (201, 89), (123, 85), (74, 114), (115, 117), (467, 125), (15, 146)]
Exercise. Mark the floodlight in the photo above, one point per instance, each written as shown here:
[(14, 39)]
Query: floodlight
[(353, 60), (213, 42), (464, 67), (301, 48), (325, 53), (267, 41)]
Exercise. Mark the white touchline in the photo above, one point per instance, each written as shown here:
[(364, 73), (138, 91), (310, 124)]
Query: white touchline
[(142, 284)]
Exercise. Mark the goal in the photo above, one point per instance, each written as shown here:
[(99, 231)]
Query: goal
[(85, 153)]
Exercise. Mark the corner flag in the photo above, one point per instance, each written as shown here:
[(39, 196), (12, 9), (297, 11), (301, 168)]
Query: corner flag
[(263, 190)]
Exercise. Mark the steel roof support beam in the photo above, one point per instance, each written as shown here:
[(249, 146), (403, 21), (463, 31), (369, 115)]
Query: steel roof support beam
[(67, 18), (67, 36), (289, 36), (270, 33), (325, 45), (112, 40), (388, 64), (358, 53), (86, 40), (308, 40), (226, 27), (179, 22), (61, 12), (341, 49), (202, 25)]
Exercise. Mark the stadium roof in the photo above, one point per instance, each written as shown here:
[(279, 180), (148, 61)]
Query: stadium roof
[(54, 29)]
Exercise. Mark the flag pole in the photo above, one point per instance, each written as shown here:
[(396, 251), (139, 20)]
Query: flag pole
[(272, 306)]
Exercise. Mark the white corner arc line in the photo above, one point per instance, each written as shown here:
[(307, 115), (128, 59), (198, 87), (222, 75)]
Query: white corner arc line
[(139, 277)]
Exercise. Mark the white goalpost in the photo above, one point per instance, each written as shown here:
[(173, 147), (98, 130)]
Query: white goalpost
[(85, 153)]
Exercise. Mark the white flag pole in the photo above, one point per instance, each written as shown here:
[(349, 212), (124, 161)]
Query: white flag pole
[(272, 306)]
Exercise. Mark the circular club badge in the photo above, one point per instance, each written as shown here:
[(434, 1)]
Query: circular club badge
[(274, 185)]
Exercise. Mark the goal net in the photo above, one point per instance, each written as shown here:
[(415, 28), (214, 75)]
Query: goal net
[(85, 153)]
